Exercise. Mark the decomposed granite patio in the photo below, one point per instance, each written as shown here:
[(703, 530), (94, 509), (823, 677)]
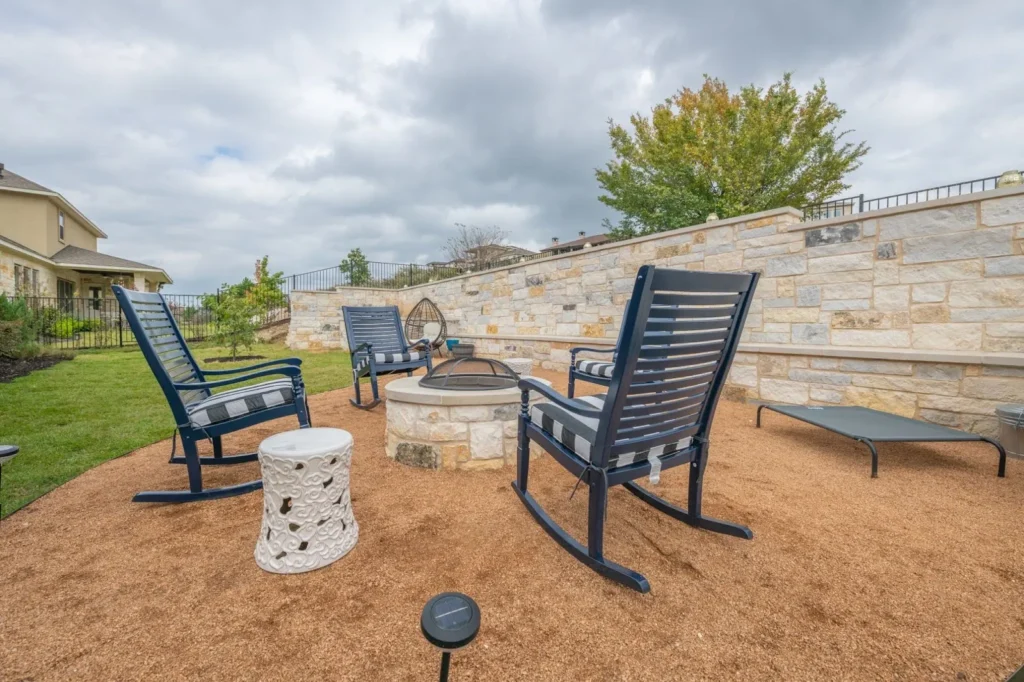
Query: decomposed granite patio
[(916, 575)]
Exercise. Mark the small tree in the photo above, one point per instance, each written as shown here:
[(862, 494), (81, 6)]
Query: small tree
[(266, 290), (470, 244), (712, 151), (235, 318), (357, 268)]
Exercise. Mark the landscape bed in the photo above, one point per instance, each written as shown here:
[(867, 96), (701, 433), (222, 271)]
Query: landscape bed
[(915, 575)]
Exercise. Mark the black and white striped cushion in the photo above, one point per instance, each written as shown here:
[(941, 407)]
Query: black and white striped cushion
[(385, 359), (595, 368), (578, 433), (239, 402)]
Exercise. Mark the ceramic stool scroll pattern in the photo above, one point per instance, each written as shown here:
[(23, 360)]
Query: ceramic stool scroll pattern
[(308, 521)]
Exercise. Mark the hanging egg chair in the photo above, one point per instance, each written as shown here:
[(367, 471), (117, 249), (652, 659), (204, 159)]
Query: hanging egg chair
[(426, 321)]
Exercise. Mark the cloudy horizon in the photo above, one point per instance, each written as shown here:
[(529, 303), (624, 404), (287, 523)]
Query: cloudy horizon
[(202, 135)]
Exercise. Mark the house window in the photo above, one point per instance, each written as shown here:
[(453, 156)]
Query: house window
[(17, 280), (60, 225), (94, 292), (65, 289), (35, 282)]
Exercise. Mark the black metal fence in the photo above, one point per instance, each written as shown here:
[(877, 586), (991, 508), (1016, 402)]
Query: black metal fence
[(858, 204), (81, 323), (378, 275)]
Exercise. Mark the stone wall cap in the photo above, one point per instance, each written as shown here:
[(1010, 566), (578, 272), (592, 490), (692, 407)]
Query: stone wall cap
[(302, 443), (408, 390), (722, 222)]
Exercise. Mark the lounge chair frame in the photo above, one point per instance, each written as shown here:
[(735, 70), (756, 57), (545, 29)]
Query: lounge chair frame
[(643, 330), (185, 385)]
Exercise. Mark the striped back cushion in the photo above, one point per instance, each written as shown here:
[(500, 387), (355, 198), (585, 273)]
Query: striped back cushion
[(156, 324), (380, 326), (687, 336)]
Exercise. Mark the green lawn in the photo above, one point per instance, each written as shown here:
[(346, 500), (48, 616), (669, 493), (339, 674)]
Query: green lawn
[(80, 413)]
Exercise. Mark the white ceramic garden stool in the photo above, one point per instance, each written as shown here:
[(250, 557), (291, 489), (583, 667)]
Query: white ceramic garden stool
[(521, 366), (307, 514)]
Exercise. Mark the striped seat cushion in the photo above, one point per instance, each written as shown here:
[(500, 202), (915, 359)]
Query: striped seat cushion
[(595, 368), (387, 359), (239, 402), (578, 433)]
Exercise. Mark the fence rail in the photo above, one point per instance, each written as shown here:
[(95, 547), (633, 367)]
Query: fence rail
[(377, 275), (81, 323), (858, 204)]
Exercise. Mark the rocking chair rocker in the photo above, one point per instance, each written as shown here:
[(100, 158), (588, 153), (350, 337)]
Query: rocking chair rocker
[(680, 333)]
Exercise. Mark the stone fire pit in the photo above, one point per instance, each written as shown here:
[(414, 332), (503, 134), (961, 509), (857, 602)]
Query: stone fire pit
[(433, 428)]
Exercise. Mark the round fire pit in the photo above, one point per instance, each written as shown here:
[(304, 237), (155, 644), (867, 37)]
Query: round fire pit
[(453, 429), (470, 374)]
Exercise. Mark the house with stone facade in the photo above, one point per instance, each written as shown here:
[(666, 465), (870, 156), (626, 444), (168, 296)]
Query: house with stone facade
[(49, 248)]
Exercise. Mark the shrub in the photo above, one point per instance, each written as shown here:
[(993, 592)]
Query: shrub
[(91, 324), (10, 339), (64, 328), (21, 325)]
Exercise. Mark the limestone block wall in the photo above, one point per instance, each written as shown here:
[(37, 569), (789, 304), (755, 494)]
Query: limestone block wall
[(917, 309), (316, 317)]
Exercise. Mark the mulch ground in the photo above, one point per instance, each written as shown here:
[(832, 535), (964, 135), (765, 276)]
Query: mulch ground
[(916, 575), (12, 369)]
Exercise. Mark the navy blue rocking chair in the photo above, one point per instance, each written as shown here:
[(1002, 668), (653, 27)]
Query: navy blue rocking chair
[(378, 346), (680, 333), (198, 413)]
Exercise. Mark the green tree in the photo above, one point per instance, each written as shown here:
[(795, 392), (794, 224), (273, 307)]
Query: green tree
[(357, 268), (710, 151), (266, 290), (235, 317)]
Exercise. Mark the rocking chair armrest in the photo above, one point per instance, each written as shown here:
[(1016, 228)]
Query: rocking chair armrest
[(287, 370), (364, 346), (531, 384), (422, 343), (279, 361), (580, 349)]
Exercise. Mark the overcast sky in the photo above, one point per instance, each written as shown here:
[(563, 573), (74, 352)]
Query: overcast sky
[(202, 134)]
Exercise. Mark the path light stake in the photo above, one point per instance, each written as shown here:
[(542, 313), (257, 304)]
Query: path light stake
[(7, 453), (450, 621)]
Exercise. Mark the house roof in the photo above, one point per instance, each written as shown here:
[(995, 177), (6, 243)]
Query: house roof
[(12, 182), (503, 248), (23, 248), (593, 240), (77, 257), (9, 180)]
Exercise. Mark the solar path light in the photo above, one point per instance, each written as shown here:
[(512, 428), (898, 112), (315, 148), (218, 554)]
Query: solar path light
[(450, 621), (7, 453)]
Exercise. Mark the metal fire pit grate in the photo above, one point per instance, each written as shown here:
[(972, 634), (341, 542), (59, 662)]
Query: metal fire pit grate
[(470, 374)]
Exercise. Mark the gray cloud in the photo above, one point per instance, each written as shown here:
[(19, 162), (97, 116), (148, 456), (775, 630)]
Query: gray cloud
[(202, 135)]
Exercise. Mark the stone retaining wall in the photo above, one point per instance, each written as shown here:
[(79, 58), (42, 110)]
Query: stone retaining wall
[(917, 310)]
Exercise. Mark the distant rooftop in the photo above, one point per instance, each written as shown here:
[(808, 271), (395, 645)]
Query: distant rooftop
[(576, 244)]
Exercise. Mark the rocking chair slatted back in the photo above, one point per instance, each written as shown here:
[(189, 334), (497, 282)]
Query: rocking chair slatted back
[(380, 326), (682, 329), (162, 344)]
